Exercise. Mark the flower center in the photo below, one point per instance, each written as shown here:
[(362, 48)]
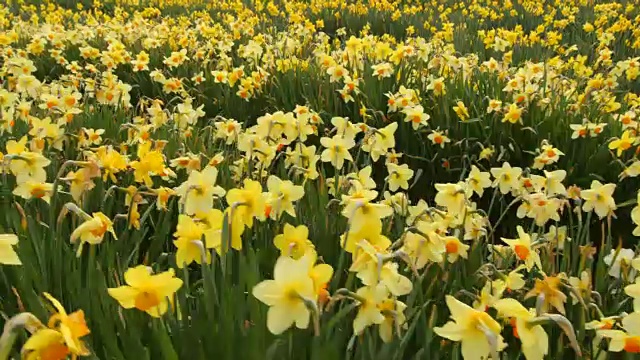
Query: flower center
[(522, 252), (99, 232), (146, 300), (632, 344), (452, 247), (38, 192), (606, 326), (267, 210), (54, 352), (514, 327)]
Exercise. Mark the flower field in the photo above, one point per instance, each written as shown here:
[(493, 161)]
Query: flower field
[(324, 179)]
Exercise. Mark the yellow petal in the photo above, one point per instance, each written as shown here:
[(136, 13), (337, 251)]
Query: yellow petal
[(8, 239), (8, 256), (41, 339), (279, 319), (511, 308), (322, 273), (159, 310), (460, 312), (85, 228), (137, 276), (450, 330), (56, 304), (125, 295), (475, 346), (269, 292)]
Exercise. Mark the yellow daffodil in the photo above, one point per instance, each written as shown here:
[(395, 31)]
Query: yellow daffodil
[(150, 162), (477, 331), (289, 295), (371, 231), (249, 202), (416, 116), (399, 176), (293, 241), (282, 195), (627, 340), (71, 327), (506, 177), (337, 150), (381, 141), (188, 240), (455, 248), (619, 261), (30, 188), (45, 344), (438, 138), (199, 191), (557, 236), (633, 290), (461, 110), (599, 198), (535, 341), (30, 165), (111, 162), (452, 196), (369, 312), (624, 143), (92, 231), (548, 288), (522, 247), (363, 177), (478, 180), (320, 274), (162, 197), (513, 114), (360, 208), (145, 291), (368, 263)]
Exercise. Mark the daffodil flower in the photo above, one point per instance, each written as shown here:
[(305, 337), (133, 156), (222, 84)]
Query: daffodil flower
[(399, 176), (477, 331), (145, 291), (522, 247), (599, 198), (535, 341), (548, 290), (199, 191), (188, 240), (293, 241), (248, 202), (282, 195), (624, 143), (369, 313), (337, 150), (627, 340), (289, 295), (92, 230), (478, 180), (506, 177)]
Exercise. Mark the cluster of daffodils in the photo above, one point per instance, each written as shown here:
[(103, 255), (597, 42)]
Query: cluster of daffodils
[(493, 159), (60, 338)]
